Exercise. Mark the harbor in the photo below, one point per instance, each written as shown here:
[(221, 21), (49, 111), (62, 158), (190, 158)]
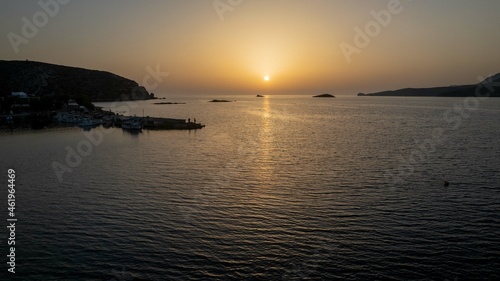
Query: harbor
[(130, 123), (91, 119)]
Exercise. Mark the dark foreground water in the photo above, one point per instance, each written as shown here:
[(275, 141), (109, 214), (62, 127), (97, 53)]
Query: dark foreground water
[(280, 188)]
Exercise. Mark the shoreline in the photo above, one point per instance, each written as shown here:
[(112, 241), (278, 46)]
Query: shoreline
[(31, 121)]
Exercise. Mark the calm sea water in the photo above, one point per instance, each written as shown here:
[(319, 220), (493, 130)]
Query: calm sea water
[(278, 188)]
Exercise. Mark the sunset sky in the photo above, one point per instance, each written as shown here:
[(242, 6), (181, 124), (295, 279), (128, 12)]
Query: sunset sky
[(228, 47)]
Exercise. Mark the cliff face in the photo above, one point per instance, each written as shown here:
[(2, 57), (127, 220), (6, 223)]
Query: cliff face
[(490, 86), (43, 79)]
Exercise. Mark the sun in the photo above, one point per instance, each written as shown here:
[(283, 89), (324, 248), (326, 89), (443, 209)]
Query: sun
[(266, 78)]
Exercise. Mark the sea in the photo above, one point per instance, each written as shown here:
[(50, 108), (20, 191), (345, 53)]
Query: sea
[(273, 188)]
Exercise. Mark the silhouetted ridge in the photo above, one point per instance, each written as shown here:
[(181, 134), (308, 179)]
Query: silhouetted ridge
[(41, 79), (488, 87)]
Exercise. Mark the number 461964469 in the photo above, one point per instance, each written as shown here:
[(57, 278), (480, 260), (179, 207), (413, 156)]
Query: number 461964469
[(12, 190)]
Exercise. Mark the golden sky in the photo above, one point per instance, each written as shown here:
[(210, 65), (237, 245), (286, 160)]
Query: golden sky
[(229, 46)]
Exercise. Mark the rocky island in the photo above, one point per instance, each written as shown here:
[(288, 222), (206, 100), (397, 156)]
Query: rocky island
[(221, 100), (324, 96)]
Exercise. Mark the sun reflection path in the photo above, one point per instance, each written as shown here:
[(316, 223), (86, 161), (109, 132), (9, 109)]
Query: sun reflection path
[(263, 164)]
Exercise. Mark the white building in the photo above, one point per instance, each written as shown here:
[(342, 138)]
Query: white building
[(22, 95)]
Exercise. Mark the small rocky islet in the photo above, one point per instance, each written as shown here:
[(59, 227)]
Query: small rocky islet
[(217, 100), (324, 96)]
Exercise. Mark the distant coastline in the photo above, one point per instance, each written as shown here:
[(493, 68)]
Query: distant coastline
[(489, 87)]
